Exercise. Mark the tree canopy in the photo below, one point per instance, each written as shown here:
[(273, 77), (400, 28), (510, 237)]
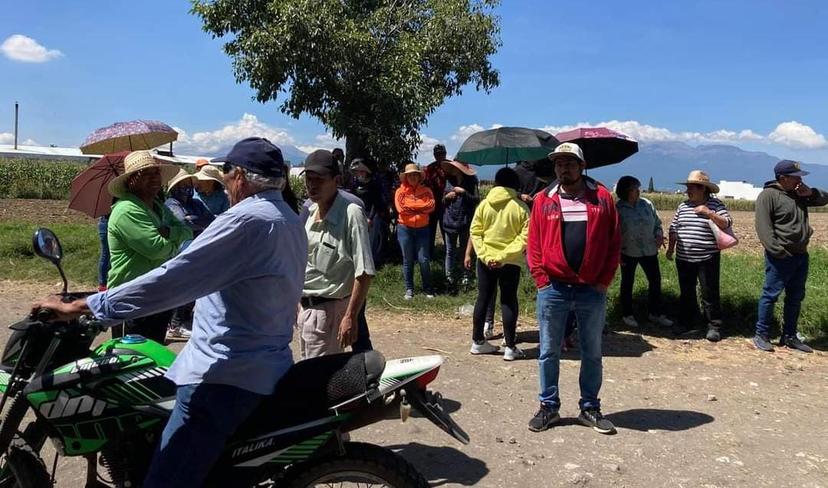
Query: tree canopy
[(372, 71)]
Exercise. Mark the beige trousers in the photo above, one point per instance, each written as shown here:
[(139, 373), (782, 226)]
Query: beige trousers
[(319, 326)]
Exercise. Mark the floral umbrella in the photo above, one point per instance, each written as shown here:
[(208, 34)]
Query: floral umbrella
[(134, 135)]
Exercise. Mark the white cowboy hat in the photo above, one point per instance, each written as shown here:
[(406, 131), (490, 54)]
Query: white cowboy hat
[(135, 162), (181, 176), (209, 173), (699, 177)]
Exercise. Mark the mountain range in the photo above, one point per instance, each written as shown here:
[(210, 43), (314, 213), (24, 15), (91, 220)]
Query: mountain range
[(670, 162)]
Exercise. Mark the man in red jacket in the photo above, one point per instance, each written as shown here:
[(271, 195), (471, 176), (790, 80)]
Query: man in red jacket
[(573, 251)]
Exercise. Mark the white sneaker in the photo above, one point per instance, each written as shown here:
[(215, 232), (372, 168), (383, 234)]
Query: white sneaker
[(429, 295), (630, 321), (661, 320), (488, 330), (483, 347), (180, 333), (409, 294), (512, 353)]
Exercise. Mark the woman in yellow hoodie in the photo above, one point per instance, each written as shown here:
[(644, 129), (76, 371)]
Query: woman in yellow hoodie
[(498, 233)]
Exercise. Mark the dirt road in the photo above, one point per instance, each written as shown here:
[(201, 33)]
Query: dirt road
[(689, 413)]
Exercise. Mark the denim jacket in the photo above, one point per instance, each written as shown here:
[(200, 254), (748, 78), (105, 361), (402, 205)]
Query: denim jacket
[(640, 226)]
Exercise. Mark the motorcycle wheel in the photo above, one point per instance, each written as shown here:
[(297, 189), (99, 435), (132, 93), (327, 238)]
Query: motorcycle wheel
[(362, 465), (22, 468)]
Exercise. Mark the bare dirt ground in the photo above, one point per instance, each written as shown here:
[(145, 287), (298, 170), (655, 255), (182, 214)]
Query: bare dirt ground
[(689, 413)]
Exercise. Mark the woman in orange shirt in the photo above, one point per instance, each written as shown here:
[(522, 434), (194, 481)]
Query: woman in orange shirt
[(414, 202)]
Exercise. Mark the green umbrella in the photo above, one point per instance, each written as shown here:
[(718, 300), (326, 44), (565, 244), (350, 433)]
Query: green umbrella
[(506, 145)]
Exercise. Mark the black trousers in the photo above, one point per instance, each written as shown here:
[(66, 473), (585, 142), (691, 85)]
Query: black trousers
[(650, 266), (706, 274), (152, 327), (508, 278)]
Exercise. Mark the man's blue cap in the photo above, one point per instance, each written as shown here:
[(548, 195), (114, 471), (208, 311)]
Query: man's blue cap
[(257, 155), (788, 168)]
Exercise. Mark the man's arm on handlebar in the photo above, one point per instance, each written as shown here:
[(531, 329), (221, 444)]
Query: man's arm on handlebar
[(63, 311)]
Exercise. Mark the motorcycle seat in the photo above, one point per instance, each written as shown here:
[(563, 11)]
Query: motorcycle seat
[(311, 387)]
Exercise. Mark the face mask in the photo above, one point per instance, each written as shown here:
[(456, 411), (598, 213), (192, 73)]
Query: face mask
[(182, 193)]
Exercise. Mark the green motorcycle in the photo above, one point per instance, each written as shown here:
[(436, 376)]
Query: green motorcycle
[(109, 404)]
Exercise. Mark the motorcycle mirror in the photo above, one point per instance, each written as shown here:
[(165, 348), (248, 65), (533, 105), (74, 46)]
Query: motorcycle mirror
[(47, 246)]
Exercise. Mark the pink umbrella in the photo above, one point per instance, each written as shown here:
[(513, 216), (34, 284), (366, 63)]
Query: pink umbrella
[(601, 146), (88, 193), (134, 135)]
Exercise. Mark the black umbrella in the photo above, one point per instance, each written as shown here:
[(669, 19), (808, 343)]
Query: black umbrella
[(601, 146)]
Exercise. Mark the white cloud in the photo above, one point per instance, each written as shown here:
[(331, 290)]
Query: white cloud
[(212, 141), (792, 134), (323, 141), (797, 135), (466, 130), (8, 138), (426, 147), (18, 47)]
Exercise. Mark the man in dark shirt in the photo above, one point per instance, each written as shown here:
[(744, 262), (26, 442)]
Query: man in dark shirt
[(435, 179)]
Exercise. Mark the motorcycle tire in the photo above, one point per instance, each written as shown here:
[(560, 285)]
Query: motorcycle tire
[(23, 468), (362, 463)]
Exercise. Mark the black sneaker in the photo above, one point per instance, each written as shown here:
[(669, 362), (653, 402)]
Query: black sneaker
[(545, 418), (762, 343), (713, 334), (793, 342), (592, 417)]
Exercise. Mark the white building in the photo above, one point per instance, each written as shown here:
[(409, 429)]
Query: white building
[(738, 190)]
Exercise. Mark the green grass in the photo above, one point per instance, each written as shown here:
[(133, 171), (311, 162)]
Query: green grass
[(741, 281)]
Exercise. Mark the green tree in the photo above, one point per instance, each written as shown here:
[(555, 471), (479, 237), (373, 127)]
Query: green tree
[(372, 71)]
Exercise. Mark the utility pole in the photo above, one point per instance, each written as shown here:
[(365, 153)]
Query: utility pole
[(16, 112)]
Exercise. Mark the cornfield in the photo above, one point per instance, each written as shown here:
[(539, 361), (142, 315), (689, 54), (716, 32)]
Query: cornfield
[(32, 178)]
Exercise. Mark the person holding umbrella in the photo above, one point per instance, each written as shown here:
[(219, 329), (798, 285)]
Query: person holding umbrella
[(142, 232), (197, 216), (434, 177)]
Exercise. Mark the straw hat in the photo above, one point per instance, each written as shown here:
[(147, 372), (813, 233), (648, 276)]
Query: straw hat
[(412, 168), (181, 176), (699, 177), (209, 173), (201, 163), (135, 162), (462, 167)]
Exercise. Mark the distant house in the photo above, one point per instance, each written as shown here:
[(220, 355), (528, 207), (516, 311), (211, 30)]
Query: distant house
[(738, 190)]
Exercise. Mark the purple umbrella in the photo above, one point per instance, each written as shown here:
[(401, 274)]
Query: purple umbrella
[(134, 135), (601, 146)]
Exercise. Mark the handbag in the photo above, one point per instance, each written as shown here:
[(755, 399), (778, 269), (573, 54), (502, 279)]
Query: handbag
[(725, 238)]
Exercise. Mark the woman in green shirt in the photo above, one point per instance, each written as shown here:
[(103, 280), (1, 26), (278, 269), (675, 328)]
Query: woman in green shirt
[(142, 232)]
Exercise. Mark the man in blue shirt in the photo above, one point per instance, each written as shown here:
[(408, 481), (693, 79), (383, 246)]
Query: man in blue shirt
[(247, 271)]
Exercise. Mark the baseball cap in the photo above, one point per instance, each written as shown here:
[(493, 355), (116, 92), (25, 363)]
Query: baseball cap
[(788, 168), (321, 161), (567, 149), (257, 155)]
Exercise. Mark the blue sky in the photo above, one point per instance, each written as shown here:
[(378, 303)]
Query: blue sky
[(749, 73)]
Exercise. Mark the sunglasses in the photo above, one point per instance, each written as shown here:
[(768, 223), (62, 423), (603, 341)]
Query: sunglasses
[(226, 168)]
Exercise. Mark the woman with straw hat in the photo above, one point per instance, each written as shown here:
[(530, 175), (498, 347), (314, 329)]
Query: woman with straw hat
[(209, 187), (184, 206), (142, 232), (197, 216), (414, 203), (697, 254)]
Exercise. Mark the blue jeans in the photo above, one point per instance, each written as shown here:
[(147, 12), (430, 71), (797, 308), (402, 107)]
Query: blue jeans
[(788, 274), (456, 243), (103, 261), (204, 417), (414, 245), (555, 302)]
